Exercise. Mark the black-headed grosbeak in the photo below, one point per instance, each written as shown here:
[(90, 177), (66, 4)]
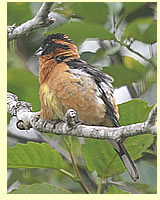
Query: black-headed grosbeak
[(67, 82)]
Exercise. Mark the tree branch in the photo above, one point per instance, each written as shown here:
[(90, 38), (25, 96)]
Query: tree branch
[(42, 19), (27, 119), (135, 52)]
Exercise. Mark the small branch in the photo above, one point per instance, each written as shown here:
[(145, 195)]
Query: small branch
[(76, 167), (78, 173), (42, 19), (68, 174), (27, 119), (135, 52)]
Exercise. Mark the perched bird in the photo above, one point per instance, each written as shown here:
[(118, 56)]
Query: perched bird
[(67, 82)]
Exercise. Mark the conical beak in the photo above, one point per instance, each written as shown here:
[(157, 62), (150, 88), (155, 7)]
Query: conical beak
[(38, 52)]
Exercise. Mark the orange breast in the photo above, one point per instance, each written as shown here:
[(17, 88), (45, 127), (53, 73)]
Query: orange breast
[(64, 90)]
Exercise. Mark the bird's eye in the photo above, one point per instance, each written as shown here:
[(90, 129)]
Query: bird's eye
[(47, 45)]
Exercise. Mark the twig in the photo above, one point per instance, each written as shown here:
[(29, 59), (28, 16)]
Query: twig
[(42, 19), (135, 52), (68, 174), (76, 167), (27, 119)]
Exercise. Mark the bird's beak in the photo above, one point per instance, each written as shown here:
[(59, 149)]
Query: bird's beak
[(39, 52)]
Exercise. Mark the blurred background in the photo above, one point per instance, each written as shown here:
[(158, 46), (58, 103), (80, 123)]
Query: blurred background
[(117, 38)]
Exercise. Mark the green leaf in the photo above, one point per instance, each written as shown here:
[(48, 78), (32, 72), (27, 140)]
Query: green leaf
[(100, 54), (33, 155), (78, 31), (18, 12), (43, 188), (92, 57), (133, 64), (114, 190), (151, 33), (131, 71), (142, 29), (99, 155), (25, 85), (91, 12), (113, 50), (138, 145), (130, 7), (134, 111)]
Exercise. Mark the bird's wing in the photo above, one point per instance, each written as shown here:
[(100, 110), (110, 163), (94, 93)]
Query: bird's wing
[(104, 83)]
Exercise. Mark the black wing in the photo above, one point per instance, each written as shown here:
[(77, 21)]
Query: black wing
[(104, 83)]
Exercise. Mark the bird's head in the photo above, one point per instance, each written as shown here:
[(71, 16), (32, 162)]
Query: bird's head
[(57, 46)]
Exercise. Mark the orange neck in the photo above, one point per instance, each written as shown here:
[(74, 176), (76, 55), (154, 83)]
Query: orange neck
[(50, 61)]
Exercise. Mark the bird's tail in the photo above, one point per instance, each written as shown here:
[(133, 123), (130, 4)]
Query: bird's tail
[(126, 159)]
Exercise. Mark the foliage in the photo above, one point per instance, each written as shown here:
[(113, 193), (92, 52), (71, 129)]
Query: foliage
[(72, 30), (43, 188), (113, 190), (33, 155), (114, 27), (142, 29)]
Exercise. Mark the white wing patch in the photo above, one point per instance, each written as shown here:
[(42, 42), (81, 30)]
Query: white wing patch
[(79, 72), (106, 88)]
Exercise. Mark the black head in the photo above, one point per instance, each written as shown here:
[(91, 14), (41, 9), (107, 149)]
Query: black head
[(51, 43)]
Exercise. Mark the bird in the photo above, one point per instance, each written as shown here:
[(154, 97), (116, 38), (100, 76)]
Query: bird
[(68, 82)]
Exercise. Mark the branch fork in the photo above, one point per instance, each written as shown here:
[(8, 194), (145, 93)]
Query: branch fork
[(42, 19)]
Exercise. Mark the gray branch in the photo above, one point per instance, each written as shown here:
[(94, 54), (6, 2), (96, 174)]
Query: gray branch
[(27, 119), (42, 19)]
